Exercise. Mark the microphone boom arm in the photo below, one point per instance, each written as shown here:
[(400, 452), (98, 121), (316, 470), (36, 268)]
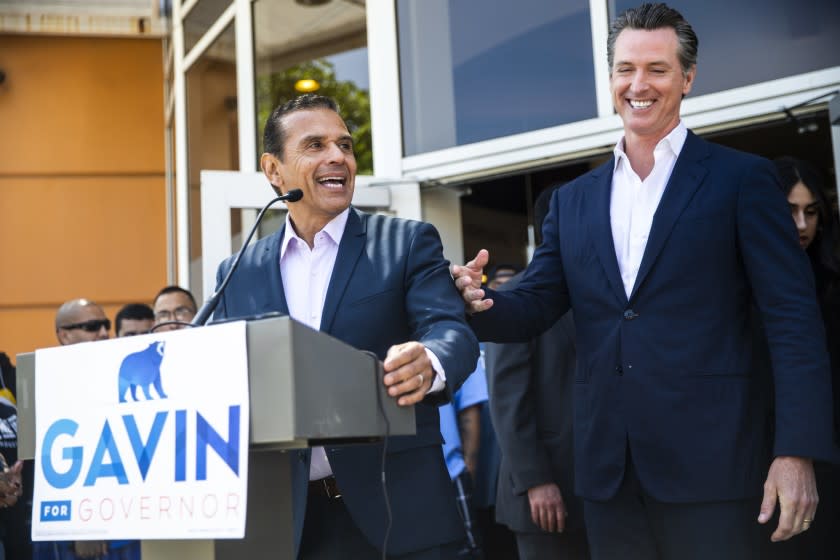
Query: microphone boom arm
[(210, 305)]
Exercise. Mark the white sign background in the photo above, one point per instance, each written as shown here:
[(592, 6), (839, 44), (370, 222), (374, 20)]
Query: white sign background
[(204, 371)]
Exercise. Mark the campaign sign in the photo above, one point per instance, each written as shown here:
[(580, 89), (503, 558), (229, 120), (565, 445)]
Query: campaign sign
[(144, 437)]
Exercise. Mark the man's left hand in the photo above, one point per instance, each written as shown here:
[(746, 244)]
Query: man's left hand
[(408, 372), (791, 481)]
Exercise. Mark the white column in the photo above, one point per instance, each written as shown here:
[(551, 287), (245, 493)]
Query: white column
[(383, 73)]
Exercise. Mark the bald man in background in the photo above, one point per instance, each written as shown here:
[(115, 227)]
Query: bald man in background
[(81, 320)]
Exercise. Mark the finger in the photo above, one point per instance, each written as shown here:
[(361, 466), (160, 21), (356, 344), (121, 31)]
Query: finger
[(480, 261), (542, 517), (549, 521), (788, 525), (404, 379), (479, 306), (400, 356), (465, 282), (560, 512), (418, 394), (768, 503)]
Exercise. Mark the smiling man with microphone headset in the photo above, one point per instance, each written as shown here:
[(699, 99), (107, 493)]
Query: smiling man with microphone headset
[(380, 284)]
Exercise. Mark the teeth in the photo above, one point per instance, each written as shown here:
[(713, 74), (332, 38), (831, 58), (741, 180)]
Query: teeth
[(639, 104), (332, 182)]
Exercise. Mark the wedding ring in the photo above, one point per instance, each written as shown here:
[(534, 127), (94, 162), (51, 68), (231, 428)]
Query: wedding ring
[(422, 379)]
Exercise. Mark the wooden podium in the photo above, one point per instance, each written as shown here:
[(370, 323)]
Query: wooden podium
[(306, 388)]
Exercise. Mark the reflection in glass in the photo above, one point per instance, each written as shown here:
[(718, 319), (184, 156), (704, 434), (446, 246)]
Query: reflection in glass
[(494, 68), (212, 128), (200, 18), (753, 41), (326, 44)]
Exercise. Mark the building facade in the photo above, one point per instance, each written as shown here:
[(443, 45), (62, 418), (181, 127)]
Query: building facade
[(477, 105)]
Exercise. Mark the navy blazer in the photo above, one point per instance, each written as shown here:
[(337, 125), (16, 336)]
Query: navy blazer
[(390, 284), (668, 372)]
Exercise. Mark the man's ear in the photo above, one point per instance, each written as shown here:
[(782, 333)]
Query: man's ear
[(271, 169)]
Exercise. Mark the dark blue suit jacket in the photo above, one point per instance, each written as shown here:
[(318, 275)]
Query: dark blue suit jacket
[(390, 284), (668, 372)]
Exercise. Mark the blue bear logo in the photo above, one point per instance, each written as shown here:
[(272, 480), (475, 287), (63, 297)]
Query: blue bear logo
[(142, 369)]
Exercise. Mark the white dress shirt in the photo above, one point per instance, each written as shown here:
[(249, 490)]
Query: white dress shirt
[(633, 202), (306, 276)]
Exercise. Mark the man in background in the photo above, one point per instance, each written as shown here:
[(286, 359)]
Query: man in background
[(531, 388), (81, 320), (173, 305), (134, 319)]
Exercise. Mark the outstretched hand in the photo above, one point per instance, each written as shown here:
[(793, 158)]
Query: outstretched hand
[(792, 483), (468, 281)]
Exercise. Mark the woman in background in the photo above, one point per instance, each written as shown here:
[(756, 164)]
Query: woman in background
[(819, 236)]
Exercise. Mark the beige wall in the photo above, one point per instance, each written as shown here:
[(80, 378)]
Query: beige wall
[(82, 193)]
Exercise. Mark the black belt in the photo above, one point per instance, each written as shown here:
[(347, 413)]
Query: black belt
[(325, 487)]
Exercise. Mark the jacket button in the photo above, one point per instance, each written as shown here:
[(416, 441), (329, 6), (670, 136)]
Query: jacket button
[(630, 314), (619, 370)]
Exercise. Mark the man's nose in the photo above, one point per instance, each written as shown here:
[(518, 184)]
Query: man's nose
[(336, 154), (639, 82)]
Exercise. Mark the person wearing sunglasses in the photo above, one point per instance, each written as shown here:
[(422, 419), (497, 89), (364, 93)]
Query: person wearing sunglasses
[(81, 320)]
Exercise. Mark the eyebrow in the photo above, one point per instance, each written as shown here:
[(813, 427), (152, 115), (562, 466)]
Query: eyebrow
[(311, 138), (650, 63), (320, 138)]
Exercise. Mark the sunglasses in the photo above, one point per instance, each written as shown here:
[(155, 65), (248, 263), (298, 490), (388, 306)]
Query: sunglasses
[(90, 326)]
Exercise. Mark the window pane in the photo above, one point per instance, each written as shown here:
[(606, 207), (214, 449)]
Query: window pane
[(752, 41), (212, 129), (327, 44), (471, 70), (200, 18)]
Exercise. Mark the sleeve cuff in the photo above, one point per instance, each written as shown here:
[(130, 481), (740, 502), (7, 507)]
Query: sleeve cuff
[(439, 381)]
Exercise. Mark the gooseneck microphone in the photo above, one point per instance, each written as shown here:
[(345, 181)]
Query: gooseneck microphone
[(207, 309)]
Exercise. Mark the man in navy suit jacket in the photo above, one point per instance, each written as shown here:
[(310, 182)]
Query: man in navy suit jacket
[(379, 284), (660, 252)]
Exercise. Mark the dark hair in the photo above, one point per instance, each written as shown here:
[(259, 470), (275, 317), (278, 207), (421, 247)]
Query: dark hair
[(825, 248), (133, 312), (274, 136), (656, 16), (541, 208), (174, 289)]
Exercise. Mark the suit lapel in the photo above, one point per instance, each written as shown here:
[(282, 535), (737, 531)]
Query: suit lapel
[(685, 179), (601, 228), (272, 296), (352, 243)]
